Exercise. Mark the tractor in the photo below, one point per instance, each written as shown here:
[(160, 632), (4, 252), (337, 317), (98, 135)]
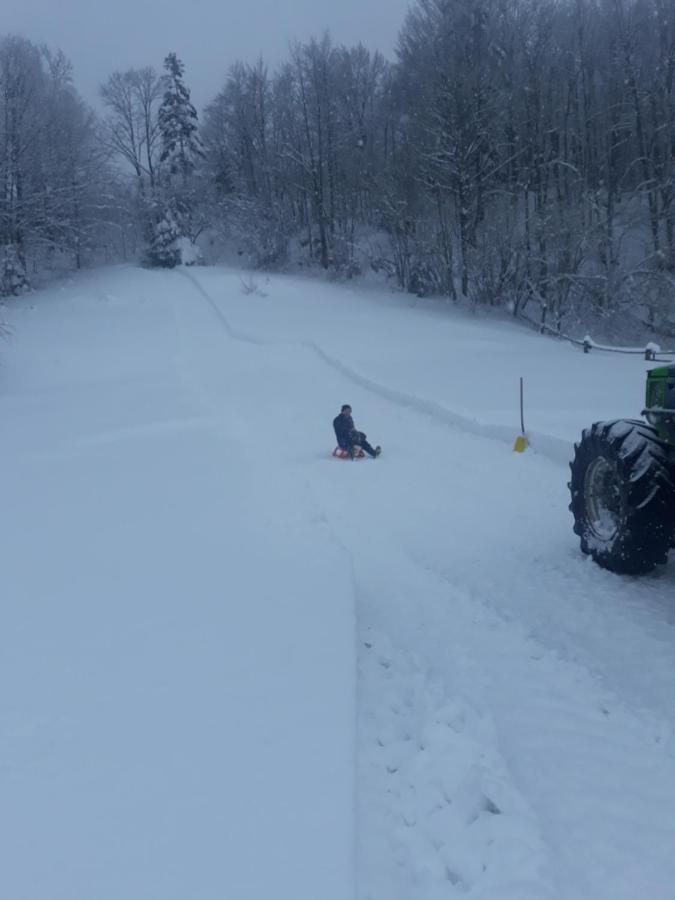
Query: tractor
[(623, 484)]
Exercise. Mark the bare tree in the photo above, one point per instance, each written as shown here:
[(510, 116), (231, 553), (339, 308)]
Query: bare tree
[(132, 129)]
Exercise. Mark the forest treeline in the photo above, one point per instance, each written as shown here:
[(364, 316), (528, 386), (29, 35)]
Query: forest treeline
[(515, 153)]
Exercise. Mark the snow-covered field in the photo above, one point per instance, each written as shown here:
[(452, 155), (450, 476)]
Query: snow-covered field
[(233, 667)]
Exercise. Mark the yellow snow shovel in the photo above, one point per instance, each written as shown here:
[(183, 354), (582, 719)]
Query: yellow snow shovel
[(521, 443)]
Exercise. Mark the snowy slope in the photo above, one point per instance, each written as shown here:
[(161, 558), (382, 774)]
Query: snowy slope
[(177, 677), (182, 684)]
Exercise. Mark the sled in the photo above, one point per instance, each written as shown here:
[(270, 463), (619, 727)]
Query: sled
[(340, 453)]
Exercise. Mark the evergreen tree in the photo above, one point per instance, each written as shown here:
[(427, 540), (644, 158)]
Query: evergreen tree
[(163, 235), (181, 145)]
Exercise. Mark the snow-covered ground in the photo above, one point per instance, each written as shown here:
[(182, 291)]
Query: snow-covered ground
[(231, 666)]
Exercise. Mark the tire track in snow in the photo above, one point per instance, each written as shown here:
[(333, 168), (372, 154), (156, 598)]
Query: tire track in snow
[(438, 805), (584, 783), (581, 757), (435, 800), (555, 449)]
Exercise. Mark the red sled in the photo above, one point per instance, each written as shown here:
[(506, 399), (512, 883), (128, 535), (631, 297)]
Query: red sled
[(340, 453)]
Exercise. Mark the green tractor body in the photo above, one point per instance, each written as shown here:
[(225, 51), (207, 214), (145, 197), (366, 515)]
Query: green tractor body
[(623, 484), (660, 401)]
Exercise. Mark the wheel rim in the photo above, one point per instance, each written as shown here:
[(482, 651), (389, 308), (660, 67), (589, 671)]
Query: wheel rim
[(602, 495)]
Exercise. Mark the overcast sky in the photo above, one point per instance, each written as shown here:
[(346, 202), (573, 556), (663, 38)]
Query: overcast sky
[(208, 35)]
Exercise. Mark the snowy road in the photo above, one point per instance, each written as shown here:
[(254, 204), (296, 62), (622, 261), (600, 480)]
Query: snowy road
[(178, 710)]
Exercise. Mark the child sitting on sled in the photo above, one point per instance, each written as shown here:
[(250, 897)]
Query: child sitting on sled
[(351, 441)]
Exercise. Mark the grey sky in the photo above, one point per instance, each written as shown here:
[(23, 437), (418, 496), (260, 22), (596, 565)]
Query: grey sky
[(208, 35)]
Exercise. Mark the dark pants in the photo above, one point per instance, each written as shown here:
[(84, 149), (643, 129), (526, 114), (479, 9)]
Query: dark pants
[(359, 440)]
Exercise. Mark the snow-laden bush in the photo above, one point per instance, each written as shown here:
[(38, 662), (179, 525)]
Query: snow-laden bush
[(163, 250), (190, 254)]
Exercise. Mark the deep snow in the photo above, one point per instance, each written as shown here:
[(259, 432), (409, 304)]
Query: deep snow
[(233, 666)]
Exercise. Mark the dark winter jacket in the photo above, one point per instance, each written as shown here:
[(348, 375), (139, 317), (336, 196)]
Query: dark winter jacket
[(344, 430)]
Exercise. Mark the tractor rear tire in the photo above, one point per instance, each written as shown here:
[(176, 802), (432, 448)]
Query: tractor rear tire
[(623, 496)]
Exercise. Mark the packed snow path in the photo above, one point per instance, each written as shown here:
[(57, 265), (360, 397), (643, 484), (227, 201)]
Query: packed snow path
[(183, 562)]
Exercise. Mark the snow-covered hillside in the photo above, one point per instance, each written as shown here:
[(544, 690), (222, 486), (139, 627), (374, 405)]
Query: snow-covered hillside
[(232, 666)]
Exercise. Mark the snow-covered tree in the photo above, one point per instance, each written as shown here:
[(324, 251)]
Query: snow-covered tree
[(53, 175), (181, 145), (22, 92), (164, 234)]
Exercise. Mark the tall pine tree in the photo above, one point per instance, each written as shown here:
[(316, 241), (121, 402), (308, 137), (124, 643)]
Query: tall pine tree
[(181, 145), (181, 149)]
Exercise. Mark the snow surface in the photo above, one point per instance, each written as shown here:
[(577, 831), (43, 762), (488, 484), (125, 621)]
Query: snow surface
[(232, 666)]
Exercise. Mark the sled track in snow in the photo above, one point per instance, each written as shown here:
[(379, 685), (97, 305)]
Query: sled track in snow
[(220, 315), (555, 449)]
